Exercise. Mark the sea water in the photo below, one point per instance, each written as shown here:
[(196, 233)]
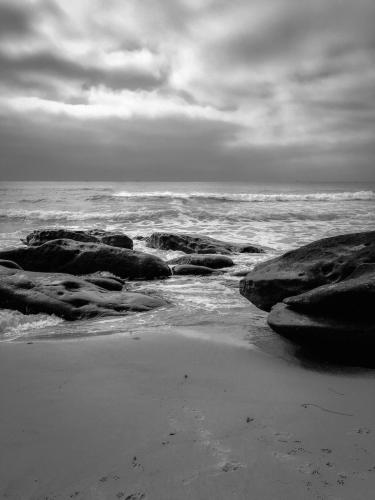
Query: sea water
[(277, 216)]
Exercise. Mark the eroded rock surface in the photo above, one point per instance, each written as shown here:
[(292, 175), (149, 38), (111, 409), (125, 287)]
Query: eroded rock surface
[(66, 296), (330, 314)]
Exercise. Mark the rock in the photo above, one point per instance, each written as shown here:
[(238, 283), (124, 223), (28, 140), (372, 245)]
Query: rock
[(66, 296), (321, 330), (330, 313), (324, 261), (240, 274), (75, 257), (206, 260), (192, 243), (9, 264), (105, 280), (353, 297), (186, 269), (40, 236)]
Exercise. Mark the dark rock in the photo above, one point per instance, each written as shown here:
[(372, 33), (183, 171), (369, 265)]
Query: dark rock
[(338, 312), (186, 269), (105, 280), (324, 261), (40, 236), (353, 297), (75, 257), (192, 243), (321, 329), (9, 264), (206, 260), (66, 296)]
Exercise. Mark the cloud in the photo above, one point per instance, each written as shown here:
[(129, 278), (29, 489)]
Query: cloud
[(259, 81)]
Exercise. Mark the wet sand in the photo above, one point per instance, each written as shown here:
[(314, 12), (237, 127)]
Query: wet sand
[(170, 417)]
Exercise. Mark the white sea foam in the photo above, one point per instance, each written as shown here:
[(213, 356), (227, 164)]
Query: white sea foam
[(253, 197), (14, 324)]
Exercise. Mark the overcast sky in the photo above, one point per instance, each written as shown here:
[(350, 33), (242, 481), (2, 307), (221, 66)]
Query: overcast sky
[(272, 90)]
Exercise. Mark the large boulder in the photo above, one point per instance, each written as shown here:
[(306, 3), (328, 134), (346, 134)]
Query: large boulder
[(324, 261), (40, 236), (206, 260), (193, 243), (320, 329), (352, 297), (66, 296), (75, 257), (331, 313)]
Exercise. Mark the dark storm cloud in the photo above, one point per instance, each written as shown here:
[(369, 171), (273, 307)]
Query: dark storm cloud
[(187, 89), (20, 67), (14, 21), (19, 18)]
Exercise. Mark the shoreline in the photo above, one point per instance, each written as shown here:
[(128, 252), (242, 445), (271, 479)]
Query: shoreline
[(170, 416)]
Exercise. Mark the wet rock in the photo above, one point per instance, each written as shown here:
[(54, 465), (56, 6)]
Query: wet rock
[(189, 269), (353, 297), (240, 274), (40, 236), (105, 280), (75, 257), (9, 264), (321, 329), (67, 296), (192, 243), (206, 260), (324, 261), (330, 313)]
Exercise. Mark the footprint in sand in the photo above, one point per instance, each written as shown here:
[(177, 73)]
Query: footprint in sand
[(136, 464), (136, 496)]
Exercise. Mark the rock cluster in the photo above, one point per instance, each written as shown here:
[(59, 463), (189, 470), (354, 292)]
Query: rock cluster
[(80, 274), (77, 274)]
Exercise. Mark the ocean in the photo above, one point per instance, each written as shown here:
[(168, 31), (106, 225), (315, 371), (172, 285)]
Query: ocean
[(277, 216)]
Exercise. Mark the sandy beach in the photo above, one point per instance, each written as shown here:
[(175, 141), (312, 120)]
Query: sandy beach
[(172, 416)]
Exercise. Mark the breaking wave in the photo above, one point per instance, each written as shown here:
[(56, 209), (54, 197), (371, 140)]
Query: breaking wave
[(249, 197)]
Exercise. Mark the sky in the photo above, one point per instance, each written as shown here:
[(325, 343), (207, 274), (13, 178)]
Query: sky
[(211, 90)]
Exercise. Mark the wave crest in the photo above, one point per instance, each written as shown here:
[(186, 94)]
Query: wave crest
[(250, 197)]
